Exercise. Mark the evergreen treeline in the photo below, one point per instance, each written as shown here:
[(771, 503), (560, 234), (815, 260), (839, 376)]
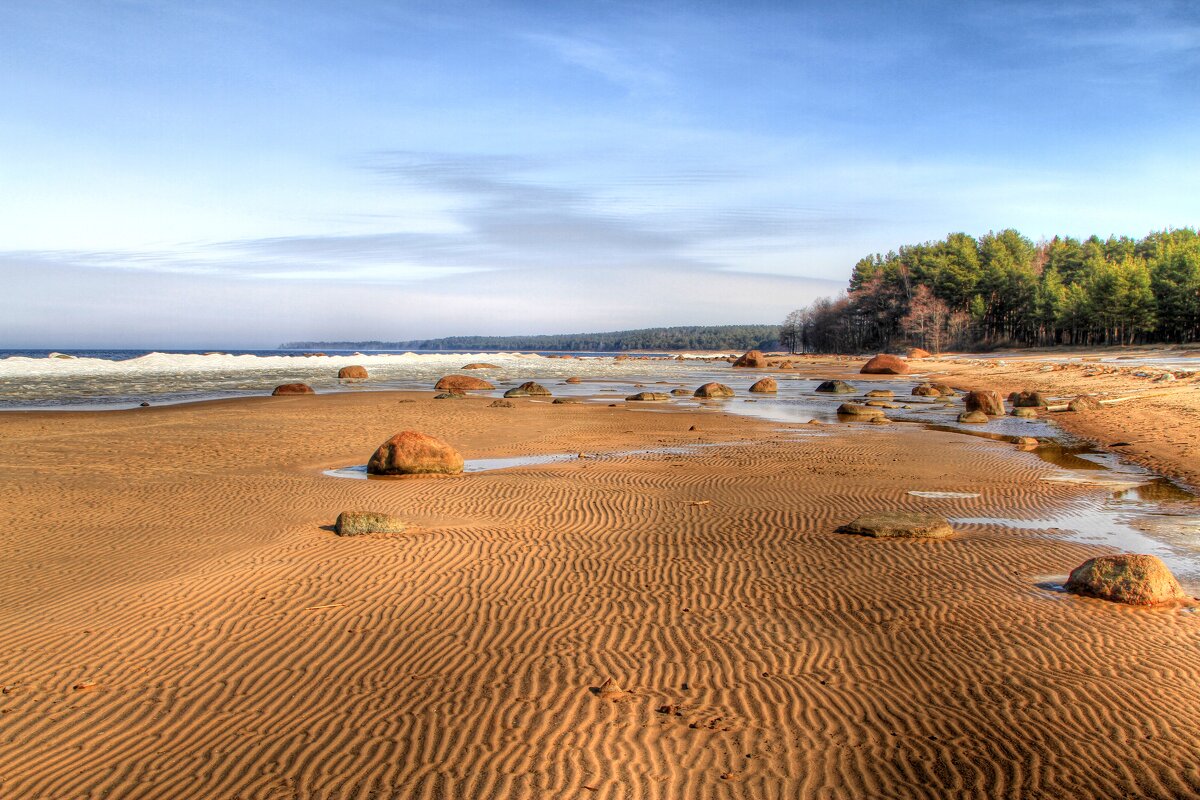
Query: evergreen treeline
[(689, 337), (1004, 290)]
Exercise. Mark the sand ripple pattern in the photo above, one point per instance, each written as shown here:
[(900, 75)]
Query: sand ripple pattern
[(238, 649)]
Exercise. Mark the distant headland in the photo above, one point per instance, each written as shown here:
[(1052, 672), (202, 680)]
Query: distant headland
[(686, 337)]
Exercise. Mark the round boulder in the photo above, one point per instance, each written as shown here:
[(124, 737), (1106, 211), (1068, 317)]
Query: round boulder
[(461, 383), (414, 453), (573, 379), (836, 387), (1024, 412), (926, 390), (354, 373), (885, 364), (292, 388), (765, 386), (973, 417), (714, 389), (899, 525), (985, 400), (856, 410), (751, 358), (886, 393), (1139, 580), (1028, 400)]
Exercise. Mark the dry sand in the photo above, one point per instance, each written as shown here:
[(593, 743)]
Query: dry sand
[(177, 619)]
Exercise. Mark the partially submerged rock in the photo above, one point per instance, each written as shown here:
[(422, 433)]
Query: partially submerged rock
[(714, 389), (292, 388), (1024, 412), (642, 397), (765, 386), (899, 525), (1140, 580), (415, 453), (534, 389), (528, 389), (857, 410), (356, 523), (751, 358), (462, 383), (352, 373), (888, 393), (926, 390), (573, 379), (836, 387), (985, 400), (566, 401), (973, 417), (479, 365), (680, 392), (1028, 399), (885, 364)]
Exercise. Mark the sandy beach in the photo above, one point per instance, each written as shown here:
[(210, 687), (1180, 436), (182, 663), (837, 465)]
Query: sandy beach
[(178, 619)]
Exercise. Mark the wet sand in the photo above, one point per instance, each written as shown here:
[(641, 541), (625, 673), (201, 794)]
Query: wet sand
[(178, 620)]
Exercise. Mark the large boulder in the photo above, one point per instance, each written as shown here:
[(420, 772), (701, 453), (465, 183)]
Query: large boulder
[(976, 417), (985, 400), (1140, 580), (1085, 402), (1028, 399), (714, 389), (292, 388), (899, 525), (856, 410), (414, 453), (528, 389), (885, 364), (461, 383), (765, 386), (356, 523), (917, 352), (836, 387), (353, 373), (645, 397), (751, 358)]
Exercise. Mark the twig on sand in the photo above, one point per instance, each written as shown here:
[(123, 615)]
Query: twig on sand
[(699, 502)]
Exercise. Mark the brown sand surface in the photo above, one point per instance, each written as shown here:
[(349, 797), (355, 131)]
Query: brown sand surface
[(1156, 422), (177, 620)]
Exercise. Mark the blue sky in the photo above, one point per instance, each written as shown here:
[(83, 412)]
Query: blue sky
[(222, 174)]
